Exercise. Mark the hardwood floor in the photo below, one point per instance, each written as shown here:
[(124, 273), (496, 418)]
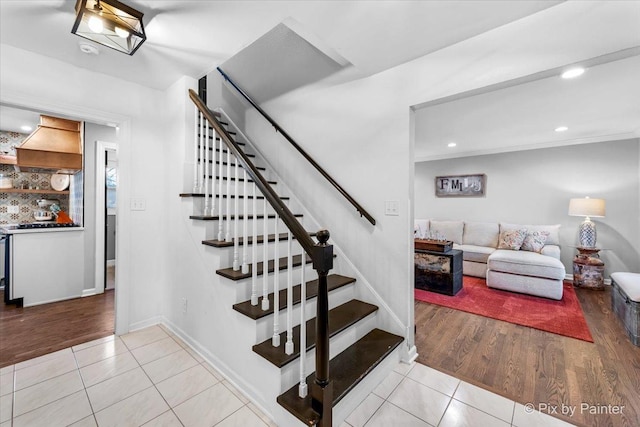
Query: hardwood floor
[(532, 366), (33, 331)]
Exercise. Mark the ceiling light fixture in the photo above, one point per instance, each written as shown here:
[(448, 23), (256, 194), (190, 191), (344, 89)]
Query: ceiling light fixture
[(110, 23), (561, 129), (451, 144), (573, 73)]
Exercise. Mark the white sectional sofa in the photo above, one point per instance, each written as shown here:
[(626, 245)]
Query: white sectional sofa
[(512, 257)]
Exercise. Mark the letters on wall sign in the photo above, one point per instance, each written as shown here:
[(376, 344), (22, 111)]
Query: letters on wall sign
[(461, 185)]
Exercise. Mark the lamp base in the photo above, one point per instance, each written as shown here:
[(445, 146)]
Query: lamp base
[(588, 233)]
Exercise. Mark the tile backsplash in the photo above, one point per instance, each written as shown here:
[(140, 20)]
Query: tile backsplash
[(26, 202)]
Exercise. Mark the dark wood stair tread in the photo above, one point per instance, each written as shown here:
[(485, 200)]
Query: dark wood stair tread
[(334, 281), (233, 217), (260, 240), (229, 273), (340, 318), (346, 370)]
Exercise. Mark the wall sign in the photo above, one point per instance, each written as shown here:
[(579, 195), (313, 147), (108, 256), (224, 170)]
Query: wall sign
[(460, 185)]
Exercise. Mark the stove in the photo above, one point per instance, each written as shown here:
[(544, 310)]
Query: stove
[(44, 225)]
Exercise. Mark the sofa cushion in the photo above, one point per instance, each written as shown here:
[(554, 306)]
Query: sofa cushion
[(554, 231), (512, 239), (534, 241), (421, 228), (526, 264), (551, 250), (450, 230), (475, 253), (481, 234)]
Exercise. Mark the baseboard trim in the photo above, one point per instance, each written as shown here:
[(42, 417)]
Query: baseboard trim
[(156, 320), (88, 292)]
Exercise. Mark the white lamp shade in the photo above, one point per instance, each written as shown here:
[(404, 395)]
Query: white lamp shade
[(587, 207)]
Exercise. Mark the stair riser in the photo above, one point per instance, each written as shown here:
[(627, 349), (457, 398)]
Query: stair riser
[(338, 343), (243, 287), (212, 227), (264, 326), (227, 253), (232, 187), (221, 207)]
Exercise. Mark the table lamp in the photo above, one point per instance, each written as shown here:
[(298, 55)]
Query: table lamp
[(587, 208)]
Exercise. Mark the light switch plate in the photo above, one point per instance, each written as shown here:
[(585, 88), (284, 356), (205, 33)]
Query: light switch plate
[(138, 204), (391, 208)]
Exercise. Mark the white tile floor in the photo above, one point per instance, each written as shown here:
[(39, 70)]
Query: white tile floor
[(151, 378)]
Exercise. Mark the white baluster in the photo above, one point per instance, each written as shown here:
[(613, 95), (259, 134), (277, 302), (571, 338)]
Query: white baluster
[(245, 224), (227, 236), (207, 200), (275, 340), (302, 387), (196, 138), (201, 160), (213, 174), (265, 259), (220, 194), (288, 348), (236, 213), (254, 252)]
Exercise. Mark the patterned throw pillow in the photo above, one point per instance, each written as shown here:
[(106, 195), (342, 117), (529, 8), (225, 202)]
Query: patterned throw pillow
[(534, 241), (512, 239)]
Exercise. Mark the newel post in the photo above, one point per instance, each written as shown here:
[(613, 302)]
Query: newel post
[(322, 389)]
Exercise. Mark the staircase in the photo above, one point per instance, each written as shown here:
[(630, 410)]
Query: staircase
[(249, 231)]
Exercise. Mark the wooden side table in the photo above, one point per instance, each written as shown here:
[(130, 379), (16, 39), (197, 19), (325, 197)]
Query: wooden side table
[(588, 269)]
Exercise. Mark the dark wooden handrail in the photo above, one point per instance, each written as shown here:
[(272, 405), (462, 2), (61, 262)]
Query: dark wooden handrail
[(304, 154), (274, 200)]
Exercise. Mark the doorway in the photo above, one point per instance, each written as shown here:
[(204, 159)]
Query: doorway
[(111, 182), (106, 183)]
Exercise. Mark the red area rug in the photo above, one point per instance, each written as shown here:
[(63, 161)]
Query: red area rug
[(562, 317)]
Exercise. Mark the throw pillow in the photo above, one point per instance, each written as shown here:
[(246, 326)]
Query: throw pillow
[(534, 241), (512, 239)]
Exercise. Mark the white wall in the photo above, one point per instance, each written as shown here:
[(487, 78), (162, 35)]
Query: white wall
[(534, 187), (46, 84)]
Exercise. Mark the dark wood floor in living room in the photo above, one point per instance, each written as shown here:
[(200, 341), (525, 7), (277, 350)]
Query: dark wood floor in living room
[(30, 332), (532, 366)]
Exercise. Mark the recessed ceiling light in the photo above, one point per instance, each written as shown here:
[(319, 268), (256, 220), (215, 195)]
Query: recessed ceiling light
[(451, 144), (573, 72), (88, 49), (561, 129), (26, 128)]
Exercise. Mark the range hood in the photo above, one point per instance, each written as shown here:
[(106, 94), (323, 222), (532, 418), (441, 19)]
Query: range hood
[(55, 145)]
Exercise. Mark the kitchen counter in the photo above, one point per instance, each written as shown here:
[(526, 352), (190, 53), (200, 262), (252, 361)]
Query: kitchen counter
[(45, 264), (11, 229)]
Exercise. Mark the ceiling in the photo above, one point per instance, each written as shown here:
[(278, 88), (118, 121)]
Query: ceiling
[(186, 37), (601, 105), (353, 38)]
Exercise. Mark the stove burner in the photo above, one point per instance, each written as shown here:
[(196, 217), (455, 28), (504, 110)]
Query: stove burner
[(45, 225)]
